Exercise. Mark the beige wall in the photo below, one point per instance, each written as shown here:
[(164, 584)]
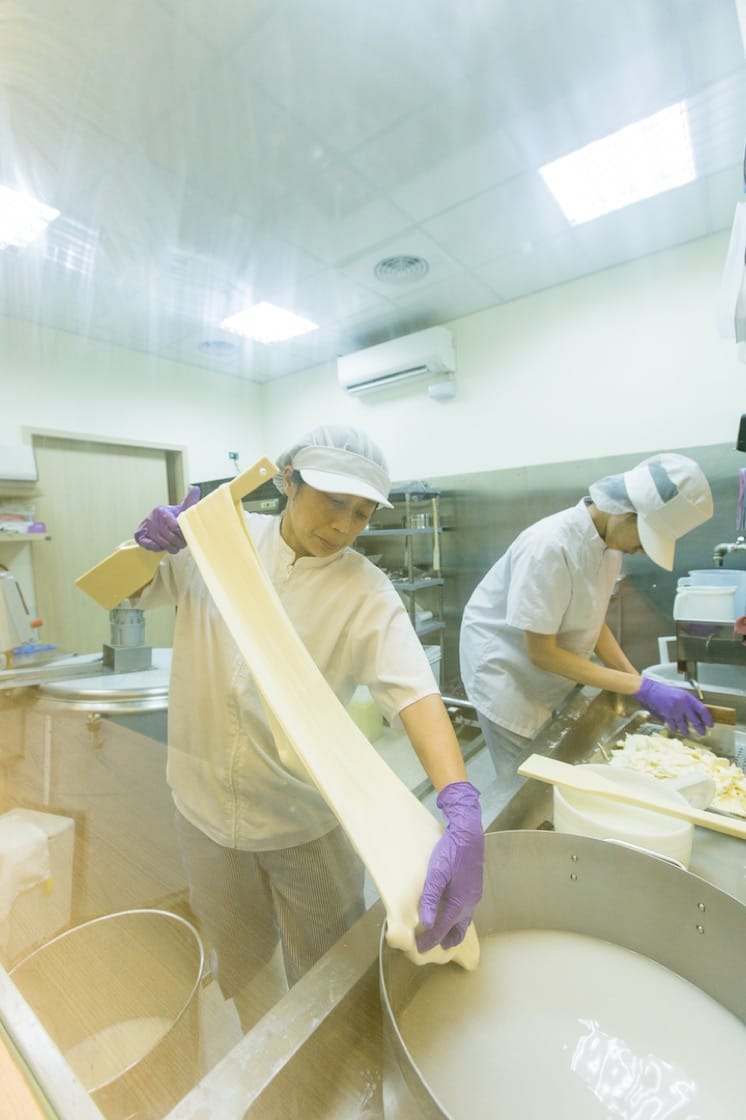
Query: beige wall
[(628, 360), (57, 382)]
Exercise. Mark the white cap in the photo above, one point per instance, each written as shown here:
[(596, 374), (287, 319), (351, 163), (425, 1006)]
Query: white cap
[(340, 461), (670, 495)]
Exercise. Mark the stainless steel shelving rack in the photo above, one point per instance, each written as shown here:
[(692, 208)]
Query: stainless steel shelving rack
[(408, 537)]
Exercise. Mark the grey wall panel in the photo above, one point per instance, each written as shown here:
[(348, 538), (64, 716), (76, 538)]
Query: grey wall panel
[(484, 512)]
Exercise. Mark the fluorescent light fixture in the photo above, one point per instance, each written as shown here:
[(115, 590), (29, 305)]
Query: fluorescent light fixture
[(644, 159), (22, 218), (267, 323)]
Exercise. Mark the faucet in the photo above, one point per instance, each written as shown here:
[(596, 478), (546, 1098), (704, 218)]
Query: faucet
[(721, 550)]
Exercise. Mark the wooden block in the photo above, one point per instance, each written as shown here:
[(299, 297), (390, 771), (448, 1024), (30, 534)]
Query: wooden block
[(722, 715), (130, 567), (120, 575)]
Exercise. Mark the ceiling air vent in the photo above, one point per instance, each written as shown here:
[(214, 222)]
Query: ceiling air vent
[(402, 269)]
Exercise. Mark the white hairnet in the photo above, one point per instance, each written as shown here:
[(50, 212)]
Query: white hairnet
[(610, 494), (670, 495), (339, 460)]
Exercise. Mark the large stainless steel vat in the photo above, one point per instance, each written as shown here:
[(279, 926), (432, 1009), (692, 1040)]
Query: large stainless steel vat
[(551, 881), (138, 700), (121, 992)]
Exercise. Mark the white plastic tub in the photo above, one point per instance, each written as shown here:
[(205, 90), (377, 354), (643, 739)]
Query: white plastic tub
[(706, 604), (712, 677), (585, 814)]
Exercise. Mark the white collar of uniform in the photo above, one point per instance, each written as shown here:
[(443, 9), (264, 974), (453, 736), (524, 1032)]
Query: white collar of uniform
[(594, 539)]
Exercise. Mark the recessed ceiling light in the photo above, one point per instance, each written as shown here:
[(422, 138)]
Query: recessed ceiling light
[(401, 269), (267, 323), (644, 159), (22, 218)]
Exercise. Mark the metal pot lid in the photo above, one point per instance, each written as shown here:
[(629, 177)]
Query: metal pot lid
[(107, 691)]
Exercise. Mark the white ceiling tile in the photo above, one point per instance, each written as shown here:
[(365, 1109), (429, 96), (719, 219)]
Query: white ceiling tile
[(713, 38), (223, 26), (328, 297), (413, 243), (309, 58), (541, 264), (264, 363), (594, 108), (228, 139), (114, 66), (722, 191), (468, 172), (668, 219), (717, 123), (449, 299), (205, 156), (501, 220), (460, 116), (335, 238)]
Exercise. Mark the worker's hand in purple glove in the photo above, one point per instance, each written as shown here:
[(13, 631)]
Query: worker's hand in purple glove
[(160, 530), (453, 885), (676, 706)]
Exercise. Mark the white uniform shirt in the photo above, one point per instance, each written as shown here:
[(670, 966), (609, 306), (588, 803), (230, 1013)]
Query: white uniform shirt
[(556, 578), (224, 769)]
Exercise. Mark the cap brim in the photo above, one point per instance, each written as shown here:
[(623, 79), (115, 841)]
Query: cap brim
[(660, 549), (332, 483)]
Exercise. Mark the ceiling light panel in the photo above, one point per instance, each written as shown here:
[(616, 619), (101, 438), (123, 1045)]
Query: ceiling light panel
[(264, 322), (22, 218), (644, 159)]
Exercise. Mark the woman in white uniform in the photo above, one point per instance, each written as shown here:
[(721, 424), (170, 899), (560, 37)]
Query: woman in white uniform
[(265, 857), (534, 623)]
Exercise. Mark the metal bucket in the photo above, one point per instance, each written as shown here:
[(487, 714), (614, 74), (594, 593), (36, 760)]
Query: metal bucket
[(536, 880), (118, 997)]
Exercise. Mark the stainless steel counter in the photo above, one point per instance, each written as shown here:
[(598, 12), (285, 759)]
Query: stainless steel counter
[(323, 1039), (317, 1053)]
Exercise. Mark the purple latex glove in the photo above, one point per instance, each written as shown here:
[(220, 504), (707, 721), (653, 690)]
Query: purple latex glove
[(453, 885), (676, 706), (160, 530)]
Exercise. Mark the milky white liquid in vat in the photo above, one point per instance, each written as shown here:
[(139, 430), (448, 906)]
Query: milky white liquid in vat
[(562, 1026), (108, 1053)]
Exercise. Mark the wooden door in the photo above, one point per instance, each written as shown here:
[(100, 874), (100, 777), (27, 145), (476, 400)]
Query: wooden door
[(92, 496)]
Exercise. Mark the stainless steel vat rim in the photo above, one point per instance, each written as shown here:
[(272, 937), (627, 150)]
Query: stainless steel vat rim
[(70, 689), (113, 692), (103, 704), (92, 692), (657, 897)]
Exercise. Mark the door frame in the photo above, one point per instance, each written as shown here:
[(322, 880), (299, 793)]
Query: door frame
[(175, 454)]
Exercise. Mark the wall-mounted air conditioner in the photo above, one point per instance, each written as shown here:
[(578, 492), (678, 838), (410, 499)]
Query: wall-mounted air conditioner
[(430, 353)]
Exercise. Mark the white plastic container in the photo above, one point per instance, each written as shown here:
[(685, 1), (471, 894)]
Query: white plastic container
[(719, 577), (705, 603), (601, 818), (725, 680), (39, 913)]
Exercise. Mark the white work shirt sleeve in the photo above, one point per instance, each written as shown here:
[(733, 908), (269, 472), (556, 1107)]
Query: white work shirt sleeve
[(540, 588), (394, 665)]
